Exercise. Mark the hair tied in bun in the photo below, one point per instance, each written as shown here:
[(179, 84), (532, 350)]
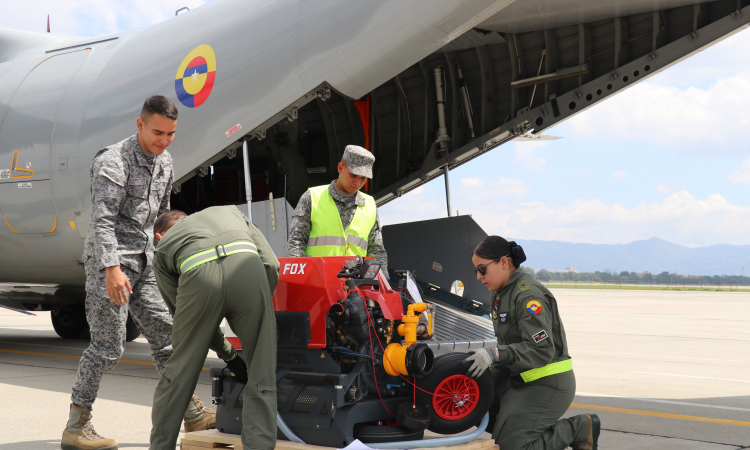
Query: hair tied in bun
[(517, 253)]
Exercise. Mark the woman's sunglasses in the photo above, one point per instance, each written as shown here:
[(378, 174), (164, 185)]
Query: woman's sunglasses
[(482, 268)]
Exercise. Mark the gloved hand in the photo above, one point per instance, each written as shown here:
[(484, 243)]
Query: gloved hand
[(237, 367), (481, 360)]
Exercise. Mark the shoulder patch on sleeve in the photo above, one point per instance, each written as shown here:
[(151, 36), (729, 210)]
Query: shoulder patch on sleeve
[(534, 308), (523, 286), (113, 190), (539, 336)]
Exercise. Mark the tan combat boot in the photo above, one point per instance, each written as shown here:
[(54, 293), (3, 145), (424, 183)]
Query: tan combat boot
[(202, 418), (80, 434), (592, 434)]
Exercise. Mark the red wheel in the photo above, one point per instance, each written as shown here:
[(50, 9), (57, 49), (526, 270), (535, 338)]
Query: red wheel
[(445, 390), (455, 397)]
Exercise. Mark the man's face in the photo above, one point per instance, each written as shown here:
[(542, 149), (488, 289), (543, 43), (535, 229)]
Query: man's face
[(156, 133), (350, 182)]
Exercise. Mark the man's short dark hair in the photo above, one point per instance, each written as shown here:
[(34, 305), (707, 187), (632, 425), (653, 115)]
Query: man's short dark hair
[(159, 104), (166, 220)]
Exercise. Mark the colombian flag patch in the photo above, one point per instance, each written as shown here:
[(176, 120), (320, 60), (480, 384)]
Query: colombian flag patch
[(534, 307)]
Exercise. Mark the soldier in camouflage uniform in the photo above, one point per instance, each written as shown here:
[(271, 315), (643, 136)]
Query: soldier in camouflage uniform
[(355, 167), (130, 184)]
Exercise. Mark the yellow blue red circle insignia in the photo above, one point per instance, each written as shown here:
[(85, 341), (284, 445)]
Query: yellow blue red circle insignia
[(195, 76), (534, 307)]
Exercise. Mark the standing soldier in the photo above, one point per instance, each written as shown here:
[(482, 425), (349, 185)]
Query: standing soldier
[(130, 184), (210, 265), (336, 219)]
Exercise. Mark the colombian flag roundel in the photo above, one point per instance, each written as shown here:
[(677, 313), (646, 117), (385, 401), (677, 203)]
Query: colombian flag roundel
[(534, 307), (195, 76)]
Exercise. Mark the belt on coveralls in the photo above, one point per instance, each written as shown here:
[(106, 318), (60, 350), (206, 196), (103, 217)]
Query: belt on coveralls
[(549, 369), (220, 251)]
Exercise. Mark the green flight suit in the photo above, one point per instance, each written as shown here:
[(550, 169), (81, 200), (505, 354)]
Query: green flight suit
[(530, 335), (239, 287)]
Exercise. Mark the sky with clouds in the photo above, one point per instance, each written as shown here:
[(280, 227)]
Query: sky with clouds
[(668, 157)]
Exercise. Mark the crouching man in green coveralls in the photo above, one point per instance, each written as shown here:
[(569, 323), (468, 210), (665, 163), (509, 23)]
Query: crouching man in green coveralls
[(533, 373), (208, 266)]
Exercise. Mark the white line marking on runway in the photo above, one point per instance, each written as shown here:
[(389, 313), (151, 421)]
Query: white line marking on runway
[(669, 402), (691, 376)]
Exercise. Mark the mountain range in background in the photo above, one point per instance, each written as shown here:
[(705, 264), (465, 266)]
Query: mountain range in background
[(653, 255)]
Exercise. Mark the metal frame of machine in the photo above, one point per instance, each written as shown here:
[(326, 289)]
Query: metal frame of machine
[(352, 355)]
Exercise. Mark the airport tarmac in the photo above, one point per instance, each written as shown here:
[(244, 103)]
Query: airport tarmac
[(663, 370)]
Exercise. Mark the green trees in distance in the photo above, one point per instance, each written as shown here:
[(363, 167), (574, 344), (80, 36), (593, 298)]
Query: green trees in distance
[(634, 277)]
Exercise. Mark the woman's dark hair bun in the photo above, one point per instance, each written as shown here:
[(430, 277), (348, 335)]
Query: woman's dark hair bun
[(516, 251), (495, 247)]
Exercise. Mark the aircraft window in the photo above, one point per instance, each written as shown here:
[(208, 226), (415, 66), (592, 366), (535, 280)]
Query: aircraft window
[(589, 97), (572, 105)]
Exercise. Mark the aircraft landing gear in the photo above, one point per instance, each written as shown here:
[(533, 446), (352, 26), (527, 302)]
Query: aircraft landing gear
[(70, 322)]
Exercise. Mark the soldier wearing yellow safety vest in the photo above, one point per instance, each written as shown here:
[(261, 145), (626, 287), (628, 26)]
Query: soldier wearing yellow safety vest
[(534, 380), (338, 220)]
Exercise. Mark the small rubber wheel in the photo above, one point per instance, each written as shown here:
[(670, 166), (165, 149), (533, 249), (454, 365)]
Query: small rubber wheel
[(457, 401), (69, 323), (131, 329), (371, 433)]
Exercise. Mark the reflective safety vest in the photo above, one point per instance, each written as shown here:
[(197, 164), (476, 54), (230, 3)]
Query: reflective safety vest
[(327, 235)]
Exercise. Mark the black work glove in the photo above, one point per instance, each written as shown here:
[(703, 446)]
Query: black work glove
[(237, 368)]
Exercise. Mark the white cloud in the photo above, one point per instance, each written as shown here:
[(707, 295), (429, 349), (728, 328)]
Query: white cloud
[(476, 193), (689, 121), (423, 203), (525, 154), (742, 175), (471, 182), (681, 217), (620, 175), (665, 188)]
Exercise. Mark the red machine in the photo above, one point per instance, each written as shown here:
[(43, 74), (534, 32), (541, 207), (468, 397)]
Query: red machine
[(354, 360)]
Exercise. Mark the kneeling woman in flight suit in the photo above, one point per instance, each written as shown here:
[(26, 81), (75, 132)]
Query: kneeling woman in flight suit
[(533, 373)]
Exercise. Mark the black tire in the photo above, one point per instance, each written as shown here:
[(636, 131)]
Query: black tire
[(369, 433), (69, 323), (446, 366), (131, 329)]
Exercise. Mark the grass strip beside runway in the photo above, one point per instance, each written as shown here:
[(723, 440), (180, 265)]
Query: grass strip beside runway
[(664, 415)]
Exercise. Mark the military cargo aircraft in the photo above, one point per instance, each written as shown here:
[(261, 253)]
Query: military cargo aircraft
[(426, 85)]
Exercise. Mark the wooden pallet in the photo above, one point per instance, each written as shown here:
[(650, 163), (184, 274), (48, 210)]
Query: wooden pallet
[(201, 440)]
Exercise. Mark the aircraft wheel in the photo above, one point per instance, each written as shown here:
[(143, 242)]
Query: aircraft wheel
[(458, 402), (372, 433), (69, 322), (131, 329)]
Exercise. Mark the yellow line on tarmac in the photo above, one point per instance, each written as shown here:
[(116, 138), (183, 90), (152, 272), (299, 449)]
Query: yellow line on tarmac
[(658, 414), (21, 352)]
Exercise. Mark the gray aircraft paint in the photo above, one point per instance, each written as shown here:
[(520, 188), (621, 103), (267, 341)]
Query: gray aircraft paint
[(272, 57), (269, 56)]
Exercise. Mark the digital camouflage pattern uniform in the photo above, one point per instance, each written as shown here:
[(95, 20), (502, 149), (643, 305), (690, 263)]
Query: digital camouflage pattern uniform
[(238, 286), (347, 205), (129, 190), (530, 335)]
